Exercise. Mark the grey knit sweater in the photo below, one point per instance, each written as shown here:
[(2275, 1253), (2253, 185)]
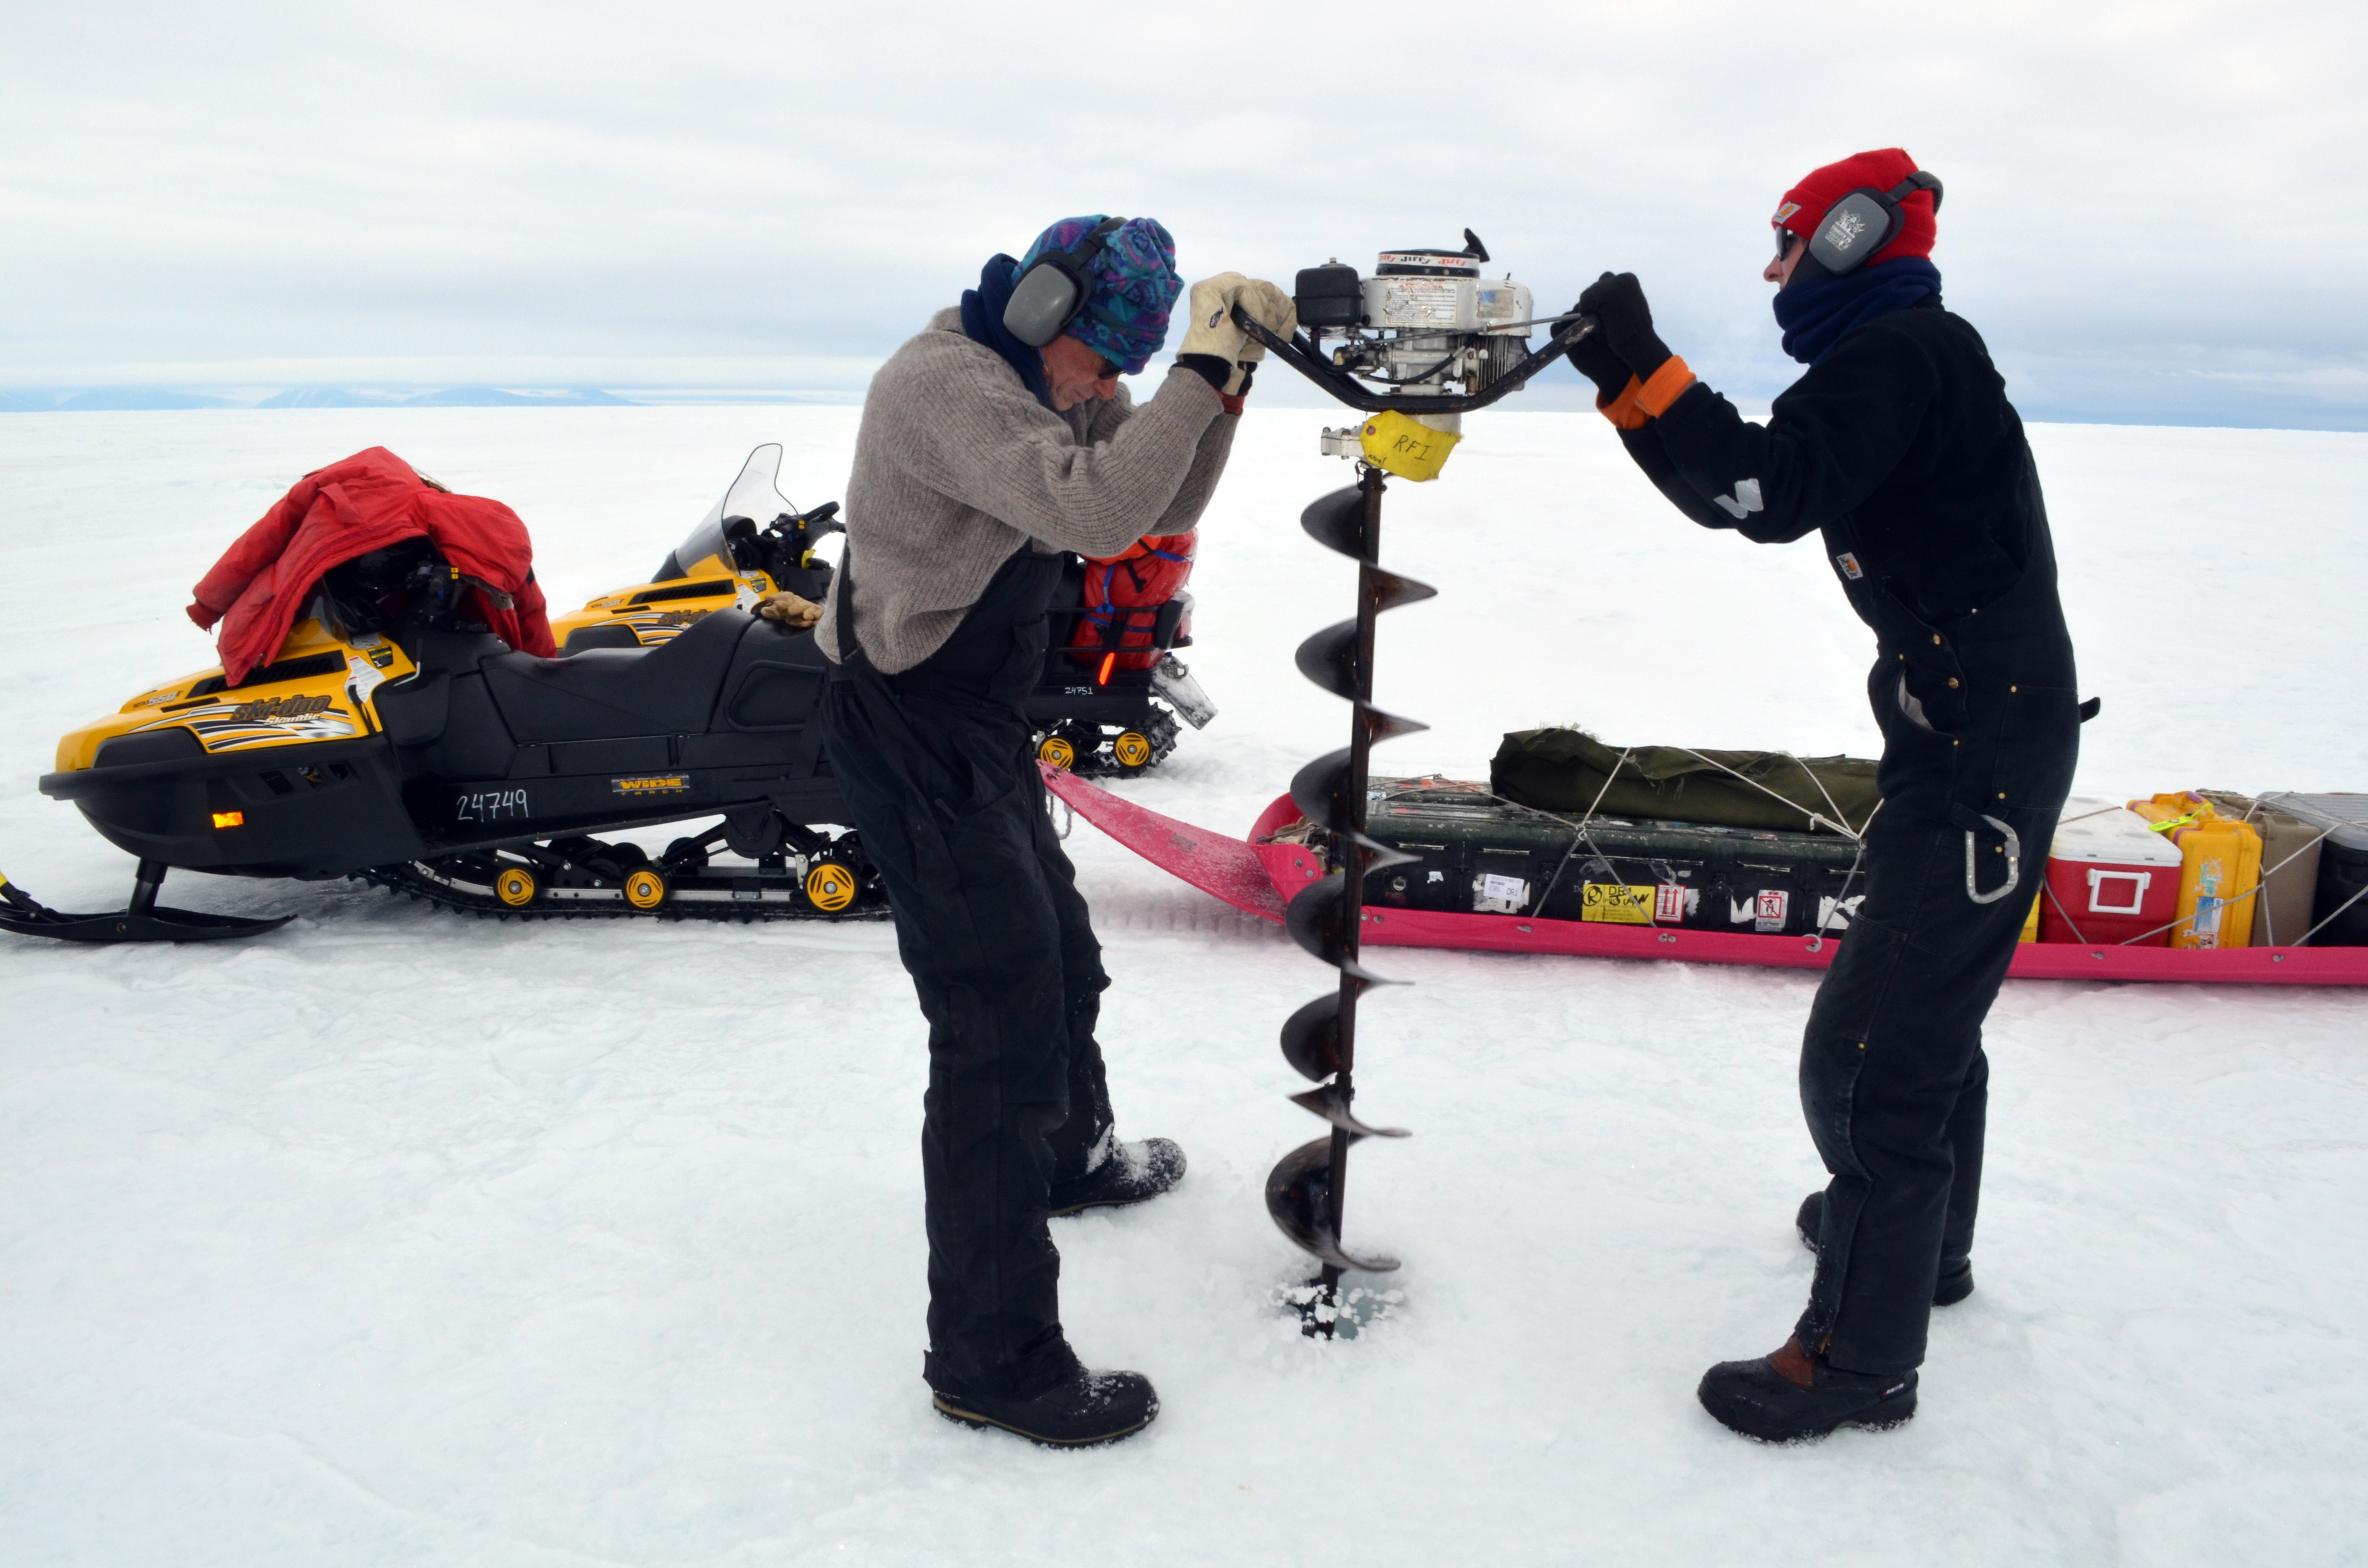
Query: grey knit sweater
[(957, 466)]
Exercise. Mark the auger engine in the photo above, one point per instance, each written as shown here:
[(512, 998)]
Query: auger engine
[(1428, 325)]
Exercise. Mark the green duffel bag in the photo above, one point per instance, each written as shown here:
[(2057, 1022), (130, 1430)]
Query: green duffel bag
[(1564, 770)]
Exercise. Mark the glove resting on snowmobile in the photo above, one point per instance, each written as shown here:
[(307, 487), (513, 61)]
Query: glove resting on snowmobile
[(790, 609)]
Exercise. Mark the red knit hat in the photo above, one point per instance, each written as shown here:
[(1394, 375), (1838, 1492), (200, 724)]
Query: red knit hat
[(1804, 205)]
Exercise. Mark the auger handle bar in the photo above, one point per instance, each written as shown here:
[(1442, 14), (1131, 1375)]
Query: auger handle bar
[(1300, 353)]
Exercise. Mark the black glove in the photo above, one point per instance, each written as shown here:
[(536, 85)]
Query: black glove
[(1619, 301), (1592, 357)]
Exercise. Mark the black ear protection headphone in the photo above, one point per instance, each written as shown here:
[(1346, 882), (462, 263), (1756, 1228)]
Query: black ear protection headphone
[(1861, 223), (1053, 292)]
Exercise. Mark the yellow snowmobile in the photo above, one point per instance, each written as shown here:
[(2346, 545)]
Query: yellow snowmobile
[(410, 747)]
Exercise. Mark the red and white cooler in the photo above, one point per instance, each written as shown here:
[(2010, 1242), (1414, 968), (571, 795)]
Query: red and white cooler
[(2110, 878)]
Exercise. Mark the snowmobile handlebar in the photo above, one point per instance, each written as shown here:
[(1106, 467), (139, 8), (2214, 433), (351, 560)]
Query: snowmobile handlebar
[(1300, 353)]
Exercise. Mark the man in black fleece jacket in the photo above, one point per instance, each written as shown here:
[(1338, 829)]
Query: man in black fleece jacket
[(1898, 444)]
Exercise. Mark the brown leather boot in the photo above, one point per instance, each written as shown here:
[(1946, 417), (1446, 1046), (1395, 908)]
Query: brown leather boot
[(1787, 1395)]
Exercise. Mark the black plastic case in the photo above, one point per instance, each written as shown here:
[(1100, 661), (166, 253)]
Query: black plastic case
[(1477, 854)]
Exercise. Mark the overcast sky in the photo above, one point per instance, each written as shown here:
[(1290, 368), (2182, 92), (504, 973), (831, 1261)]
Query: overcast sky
[(2155, 212)]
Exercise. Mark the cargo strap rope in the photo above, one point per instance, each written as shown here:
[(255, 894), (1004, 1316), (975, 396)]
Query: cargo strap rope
[(1816, 819), (1582, 836), (1826, 916), (1842, 828)]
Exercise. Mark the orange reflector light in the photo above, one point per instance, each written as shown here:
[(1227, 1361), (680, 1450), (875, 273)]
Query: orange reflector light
[(1109, 661), (230, 819)]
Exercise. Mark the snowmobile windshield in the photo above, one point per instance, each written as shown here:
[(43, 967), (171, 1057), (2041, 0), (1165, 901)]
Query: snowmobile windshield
[(754, 495)]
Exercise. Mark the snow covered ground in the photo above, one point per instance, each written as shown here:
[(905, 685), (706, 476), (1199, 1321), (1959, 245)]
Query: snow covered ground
[(395, 1237)]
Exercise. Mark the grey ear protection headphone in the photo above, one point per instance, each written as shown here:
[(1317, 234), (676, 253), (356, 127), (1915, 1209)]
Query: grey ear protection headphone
[(1865, 220), (1053, 292)]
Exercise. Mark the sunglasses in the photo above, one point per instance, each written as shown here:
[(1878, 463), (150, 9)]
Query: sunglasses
[(1784, 238), (1109, 370)]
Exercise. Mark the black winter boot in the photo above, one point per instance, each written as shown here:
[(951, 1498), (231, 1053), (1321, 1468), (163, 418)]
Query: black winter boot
[(1089, 1408), (1956, 1280), (1129, 1174), (1768, 1399)]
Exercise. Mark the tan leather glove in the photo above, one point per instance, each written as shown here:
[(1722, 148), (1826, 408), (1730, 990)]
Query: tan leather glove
[(1212, 328), (1273, 309), (790, 609)]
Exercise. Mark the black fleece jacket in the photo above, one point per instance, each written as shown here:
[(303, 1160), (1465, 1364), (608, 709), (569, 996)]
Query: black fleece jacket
[(1902, 434)]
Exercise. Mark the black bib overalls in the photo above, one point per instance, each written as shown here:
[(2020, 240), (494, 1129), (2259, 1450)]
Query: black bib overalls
[(941, 781), (1981, 729)]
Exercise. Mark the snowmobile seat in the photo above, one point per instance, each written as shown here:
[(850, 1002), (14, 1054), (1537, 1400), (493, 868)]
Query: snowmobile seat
[(452, 652), (616, 634), (776, 679), (607, 692)]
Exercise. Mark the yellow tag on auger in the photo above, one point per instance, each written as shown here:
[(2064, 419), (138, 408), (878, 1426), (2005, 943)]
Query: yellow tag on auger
[(1407, 447)]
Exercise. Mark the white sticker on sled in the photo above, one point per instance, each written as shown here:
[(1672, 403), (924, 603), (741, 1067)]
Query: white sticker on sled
[(1493, 894)]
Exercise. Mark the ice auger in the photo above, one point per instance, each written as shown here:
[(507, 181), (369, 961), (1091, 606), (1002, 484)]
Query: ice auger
[(1425, 320)]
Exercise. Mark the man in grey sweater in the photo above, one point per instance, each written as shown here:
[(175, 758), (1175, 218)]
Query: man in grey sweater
[(993, 442)]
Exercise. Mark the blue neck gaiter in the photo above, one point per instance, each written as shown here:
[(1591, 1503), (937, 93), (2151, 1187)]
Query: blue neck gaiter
[(1816, 311), (982, 316)]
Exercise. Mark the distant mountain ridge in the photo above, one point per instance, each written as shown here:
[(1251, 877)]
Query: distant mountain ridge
[(79, 400)]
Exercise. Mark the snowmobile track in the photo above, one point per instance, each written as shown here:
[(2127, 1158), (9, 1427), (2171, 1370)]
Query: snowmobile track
[(407, 880)]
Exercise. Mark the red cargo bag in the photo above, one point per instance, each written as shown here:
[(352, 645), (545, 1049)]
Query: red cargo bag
[(1124, 593)]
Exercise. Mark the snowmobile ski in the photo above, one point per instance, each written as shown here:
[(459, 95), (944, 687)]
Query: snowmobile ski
[(144, 920)]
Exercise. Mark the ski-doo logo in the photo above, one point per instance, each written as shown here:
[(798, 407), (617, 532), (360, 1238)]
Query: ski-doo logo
[(1744, 502), (653, 784), (270, 708), (1844, 231)]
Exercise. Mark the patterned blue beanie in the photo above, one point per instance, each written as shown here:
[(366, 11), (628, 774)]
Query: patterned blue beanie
[(1134, 286)]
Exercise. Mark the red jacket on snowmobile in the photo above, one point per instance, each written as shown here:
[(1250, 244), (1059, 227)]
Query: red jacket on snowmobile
[(366, 502)]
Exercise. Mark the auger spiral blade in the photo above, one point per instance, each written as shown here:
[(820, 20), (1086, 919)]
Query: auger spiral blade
[(1320, 790), (1324, 794), (1310, 1038), (1315, 922), (1298, 1193), (1329, 659), (1390, 591), (1338, 522), (1380, 726), (1328, 1103)]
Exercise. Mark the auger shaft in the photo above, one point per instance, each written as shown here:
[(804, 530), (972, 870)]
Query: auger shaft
[(1360, 747)]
